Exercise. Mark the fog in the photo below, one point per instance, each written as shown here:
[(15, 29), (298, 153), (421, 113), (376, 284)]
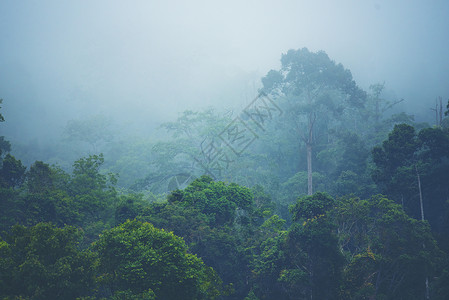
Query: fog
[(143, 62)]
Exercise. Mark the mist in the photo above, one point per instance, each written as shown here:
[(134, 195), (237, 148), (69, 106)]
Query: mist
[(143, 63), (163, 150)]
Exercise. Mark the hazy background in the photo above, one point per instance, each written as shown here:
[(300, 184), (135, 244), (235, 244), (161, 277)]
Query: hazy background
[(142, 62)]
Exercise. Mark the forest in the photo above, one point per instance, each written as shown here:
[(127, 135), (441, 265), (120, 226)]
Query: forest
[(317, 189)]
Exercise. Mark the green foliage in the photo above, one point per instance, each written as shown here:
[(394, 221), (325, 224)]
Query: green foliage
[(217, 200), (242, 236), (43, 262), (297, 186), (93, 193), (40, 178), (310, 207), (379, 252), (407, 154), (398, 150), (12, 172), (87, 176), (218, 221), (305, 261), (390, 254), (309, 71), (129, 295), (319, 98), (314, 258), (136, 256), (129, 207), (395, 163), (274, 224), (130, 159)]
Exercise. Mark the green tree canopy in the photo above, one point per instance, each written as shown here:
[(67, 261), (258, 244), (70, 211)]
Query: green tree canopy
[(43, 262), (138, 257), (217, 200), (390, 254)]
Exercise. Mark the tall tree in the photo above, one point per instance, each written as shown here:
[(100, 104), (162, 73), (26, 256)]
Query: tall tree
[(317, 92), (403, 156)]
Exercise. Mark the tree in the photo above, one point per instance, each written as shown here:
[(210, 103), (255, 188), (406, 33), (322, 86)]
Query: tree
[(305, 262), (43, 262), (433, 166), (385, 250), (351, 174), (94, 131), (47, 198), (94, 195), (137, 258), (267, 267), (39, 178), (220, 223), (395, 167), (315, 261), (12, 172), (87, 176), (404, 156), (376, 107), (218, 201), (317, 91), (12, 176), (175, 159)]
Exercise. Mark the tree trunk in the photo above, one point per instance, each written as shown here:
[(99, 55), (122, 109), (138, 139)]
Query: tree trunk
[(309, 143), (422, 219), (420, 193), (309, 169)]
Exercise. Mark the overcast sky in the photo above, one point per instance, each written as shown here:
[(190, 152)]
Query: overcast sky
[(144, 61)]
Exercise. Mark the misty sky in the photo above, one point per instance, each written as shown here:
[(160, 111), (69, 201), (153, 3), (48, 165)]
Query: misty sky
[(143, 61)]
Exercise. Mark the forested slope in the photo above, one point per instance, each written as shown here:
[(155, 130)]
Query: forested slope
[(316, 190)]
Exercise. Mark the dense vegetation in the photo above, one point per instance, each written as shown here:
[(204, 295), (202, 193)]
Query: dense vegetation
[(316, 190)]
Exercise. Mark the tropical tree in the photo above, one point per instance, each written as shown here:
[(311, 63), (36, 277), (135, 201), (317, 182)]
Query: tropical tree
[(411, 168), (389, 254), (315, 261), (136, 258), (304, 262), (433, 168), (395, 167), (93, 131), (316, 93), (12, 172), (44, 262)]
